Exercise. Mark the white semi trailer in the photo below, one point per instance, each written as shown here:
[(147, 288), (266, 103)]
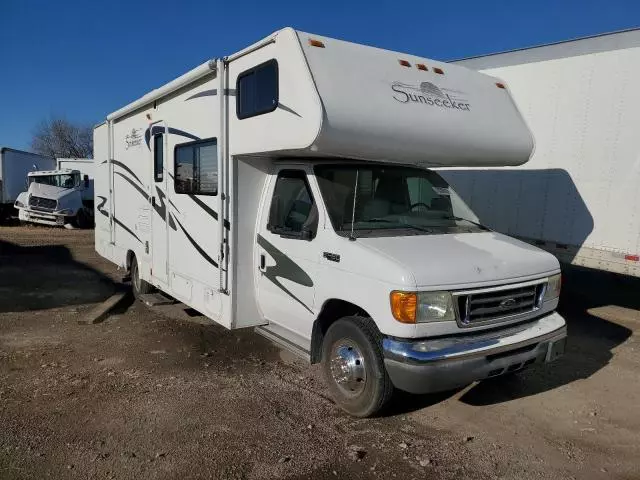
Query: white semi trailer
[(14, 166), (579, 195), (287, 187)]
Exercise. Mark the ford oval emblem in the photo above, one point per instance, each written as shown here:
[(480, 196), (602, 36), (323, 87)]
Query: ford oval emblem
[(509, 302)]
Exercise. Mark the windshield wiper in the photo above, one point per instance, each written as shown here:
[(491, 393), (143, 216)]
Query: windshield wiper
[(461, 219), (400, 224)]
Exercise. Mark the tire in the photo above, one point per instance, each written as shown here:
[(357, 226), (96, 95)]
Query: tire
[(353, 366), (138, 286), (83, 219)]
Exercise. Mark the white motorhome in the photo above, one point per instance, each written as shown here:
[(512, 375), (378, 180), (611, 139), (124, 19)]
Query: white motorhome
[(14, 166), (286, 187), (57, 197), (578, 196)]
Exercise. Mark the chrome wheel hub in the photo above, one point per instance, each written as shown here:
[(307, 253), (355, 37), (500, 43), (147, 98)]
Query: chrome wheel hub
[(348, 368)]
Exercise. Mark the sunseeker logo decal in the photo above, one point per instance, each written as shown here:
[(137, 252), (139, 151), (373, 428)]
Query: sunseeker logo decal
[(133, 139), (430, 94)]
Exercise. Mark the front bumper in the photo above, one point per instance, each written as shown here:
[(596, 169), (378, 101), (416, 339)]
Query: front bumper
[(45, 218), (433, 365)]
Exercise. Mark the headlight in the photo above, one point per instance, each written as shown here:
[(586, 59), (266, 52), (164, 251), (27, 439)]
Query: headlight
[(19, 204), (65, 211), (554, 283), (412, 307)]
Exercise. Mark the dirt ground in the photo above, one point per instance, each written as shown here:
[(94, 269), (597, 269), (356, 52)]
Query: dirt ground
[(154, 394)]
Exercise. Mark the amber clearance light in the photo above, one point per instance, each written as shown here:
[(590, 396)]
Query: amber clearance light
[(404, 306)]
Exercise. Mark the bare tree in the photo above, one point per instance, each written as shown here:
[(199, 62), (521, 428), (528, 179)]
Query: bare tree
[(57, 137)]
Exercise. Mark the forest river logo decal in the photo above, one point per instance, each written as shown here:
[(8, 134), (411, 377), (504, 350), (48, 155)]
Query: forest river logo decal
[(430, 94), (133, 139)]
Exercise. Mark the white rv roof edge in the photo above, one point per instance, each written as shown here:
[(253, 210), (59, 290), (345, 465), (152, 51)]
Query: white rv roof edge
[(256, 45), (172, 86)]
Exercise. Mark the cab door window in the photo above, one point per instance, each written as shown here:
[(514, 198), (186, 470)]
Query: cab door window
[(293, 212)]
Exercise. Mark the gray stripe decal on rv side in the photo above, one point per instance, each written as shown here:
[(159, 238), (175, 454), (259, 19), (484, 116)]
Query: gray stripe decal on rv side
[(100, 206), (126, 228), (173, 204), (204, 93), (284, 268), (232, 92), (197, 247), (287, 109), (212, 93), (157, 129), (161, 209), (202, 205), (142, 192), (123, 166)]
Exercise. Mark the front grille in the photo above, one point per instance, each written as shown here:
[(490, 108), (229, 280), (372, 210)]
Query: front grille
[(43, 204), (482, 307)]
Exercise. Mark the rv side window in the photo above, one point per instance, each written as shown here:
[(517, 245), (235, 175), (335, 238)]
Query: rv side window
[(293, 212), (257, 90), (196, 167), (158, 157)]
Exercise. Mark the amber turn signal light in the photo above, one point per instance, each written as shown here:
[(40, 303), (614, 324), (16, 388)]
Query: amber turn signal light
[(403, 306), (316, 43)]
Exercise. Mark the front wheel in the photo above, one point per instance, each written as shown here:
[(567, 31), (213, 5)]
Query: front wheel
[(138, 285), (83, 219), (353, 366)]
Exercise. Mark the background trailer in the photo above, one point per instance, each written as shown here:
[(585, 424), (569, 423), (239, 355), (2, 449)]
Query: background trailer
[(579, 195), (14, 166)]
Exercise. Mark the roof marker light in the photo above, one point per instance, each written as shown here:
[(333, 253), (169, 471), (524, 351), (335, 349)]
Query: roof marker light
[(438, 70), (421, 66), (404, 63), (316, 43), (500, 85)]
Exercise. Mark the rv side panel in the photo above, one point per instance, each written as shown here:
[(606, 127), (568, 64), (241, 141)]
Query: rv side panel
[(164, 173), (102, 205), (249, 180)]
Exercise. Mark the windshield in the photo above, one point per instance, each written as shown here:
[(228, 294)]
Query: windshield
[(66, 180), (392, 201)]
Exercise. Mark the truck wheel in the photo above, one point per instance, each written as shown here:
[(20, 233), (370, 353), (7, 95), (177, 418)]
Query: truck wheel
[(82, 219), (139, 286), (353, 366)]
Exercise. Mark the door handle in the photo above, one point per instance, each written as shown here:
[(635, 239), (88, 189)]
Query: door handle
[(263, 262)]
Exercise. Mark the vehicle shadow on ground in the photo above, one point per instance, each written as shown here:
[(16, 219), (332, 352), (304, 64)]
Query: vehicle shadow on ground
[(403, 402), (590, 342), (47, 276)]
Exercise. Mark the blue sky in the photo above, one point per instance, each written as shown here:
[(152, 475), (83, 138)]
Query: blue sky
[(84, 59)]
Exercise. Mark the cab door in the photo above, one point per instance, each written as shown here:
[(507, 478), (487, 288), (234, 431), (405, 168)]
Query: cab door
[(158, 197), (287, 252)]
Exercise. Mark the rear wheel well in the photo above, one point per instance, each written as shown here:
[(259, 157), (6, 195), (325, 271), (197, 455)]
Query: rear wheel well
[(333, 309)]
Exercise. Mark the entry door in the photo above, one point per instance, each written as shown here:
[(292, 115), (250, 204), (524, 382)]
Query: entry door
[(159, 237), (287, 253)]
